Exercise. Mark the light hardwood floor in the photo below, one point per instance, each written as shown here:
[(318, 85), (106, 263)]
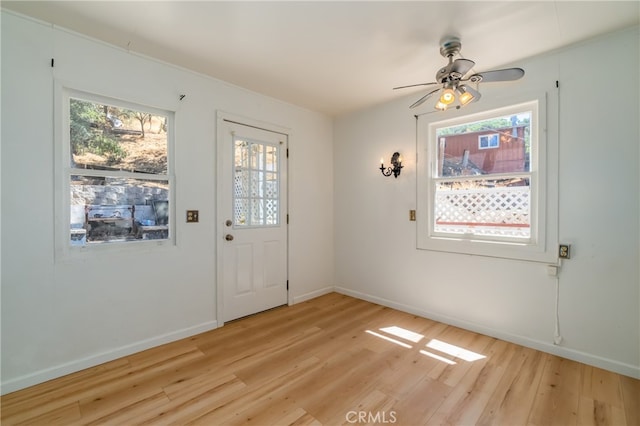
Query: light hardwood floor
[(333, 360)]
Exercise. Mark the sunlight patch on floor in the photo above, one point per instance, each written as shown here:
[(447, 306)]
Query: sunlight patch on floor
[(403, 333), (455, 351), (389, 339), (451, 351)]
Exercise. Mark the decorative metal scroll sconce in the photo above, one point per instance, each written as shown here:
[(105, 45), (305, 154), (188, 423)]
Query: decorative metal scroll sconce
[(395, 168)]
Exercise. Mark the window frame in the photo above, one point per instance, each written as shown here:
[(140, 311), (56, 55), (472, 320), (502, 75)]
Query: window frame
[(543, 172), (64, 172)]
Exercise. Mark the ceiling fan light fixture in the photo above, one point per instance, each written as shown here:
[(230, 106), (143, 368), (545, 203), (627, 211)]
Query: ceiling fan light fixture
[(467, 95), (441, 106), (447, 97)]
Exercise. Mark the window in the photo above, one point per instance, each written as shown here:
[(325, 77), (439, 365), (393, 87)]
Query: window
[(481, 190), (488, 141), (118, 166)]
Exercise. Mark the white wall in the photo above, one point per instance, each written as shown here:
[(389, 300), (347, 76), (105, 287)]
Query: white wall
[(59, 315), (599, 305)]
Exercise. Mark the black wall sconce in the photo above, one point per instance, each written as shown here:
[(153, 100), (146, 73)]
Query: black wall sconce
[(394, 169)]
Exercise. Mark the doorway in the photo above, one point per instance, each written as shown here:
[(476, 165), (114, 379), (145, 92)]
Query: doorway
[(252, 215)]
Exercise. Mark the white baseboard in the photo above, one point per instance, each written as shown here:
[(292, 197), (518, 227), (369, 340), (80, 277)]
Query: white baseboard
[(41, 376), (548, 347), (312, 295)]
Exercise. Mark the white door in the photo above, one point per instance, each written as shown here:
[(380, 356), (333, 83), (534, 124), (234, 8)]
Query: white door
[(253, 215)]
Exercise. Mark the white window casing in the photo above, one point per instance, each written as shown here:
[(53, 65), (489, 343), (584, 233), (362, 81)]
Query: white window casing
[(532, 241), (65, 230)]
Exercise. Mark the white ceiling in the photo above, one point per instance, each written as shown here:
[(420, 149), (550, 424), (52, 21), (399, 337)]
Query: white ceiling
[(333, 57)]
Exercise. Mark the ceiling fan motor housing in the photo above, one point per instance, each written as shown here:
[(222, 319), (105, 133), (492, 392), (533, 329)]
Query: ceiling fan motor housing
[(450, 47)]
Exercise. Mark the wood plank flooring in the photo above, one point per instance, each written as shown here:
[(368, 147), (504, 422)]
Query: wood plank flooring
[(332, 360)]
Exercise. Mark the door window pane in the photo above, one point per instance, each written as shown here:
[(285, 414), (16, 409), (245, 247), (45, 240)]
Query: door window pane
[(256, 183)]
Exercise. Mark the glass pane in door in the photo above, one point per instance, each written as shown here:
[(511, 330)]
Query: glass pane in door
[(256, 183)]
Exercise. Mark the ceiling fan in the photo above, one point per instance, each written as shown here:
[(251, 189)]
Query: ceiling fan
[(452, 82)]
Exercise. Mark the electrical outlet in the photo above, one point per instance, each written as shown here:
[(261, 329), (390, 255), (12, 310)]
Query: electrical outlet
[(564, 252), (192, 216)]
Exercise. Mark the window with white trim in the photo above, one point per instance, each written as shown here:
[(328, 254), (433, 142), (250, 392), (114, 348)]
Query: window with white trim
[(118, 170), (480, 189)]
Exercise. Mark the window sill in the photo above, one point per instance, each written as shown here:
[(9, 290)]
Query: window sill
[(105, 249), (504, 250)]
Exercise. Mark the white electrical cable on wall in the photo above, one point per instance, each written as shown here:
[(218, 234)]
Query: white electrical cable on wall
[(557, 337)]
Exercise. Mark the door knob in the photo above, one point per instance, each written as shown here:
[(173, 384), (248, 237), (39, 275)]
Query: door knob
[(228, 237)]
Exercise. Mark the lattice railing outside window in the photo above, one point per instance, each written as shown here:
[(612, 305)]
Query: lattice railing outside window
[(504, 211)]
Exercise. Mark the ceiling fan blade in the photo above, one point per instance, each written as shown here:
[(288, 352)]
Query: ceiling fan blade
[(415, 85), (424, 98), (462, 66), (508, 74)]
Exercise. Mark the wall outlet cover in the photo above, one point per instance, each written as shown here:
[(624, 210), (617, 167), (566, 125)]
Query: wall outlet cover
[(192, 216), (564, 251)]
